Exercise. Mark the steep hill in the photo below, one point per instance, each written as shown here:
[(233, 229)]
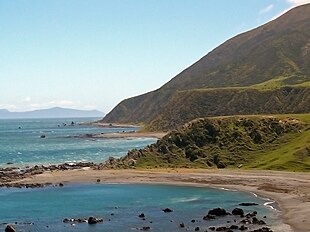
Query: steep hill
[(263, 142), (269, 57), (185, 106)]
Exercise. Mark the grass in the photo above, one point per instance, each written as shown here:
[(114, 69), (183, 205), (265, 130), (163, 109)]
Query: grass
[(234, 147), (284, 157)]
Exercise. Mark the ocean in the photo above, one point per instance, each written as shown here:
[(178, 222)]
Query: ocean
[(119, 205), (21, 145), (43, 209)]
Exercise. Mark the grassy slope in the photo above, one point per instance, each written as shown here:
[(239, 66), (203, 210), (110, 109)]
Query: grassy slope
[(292, 153), (289, 151)]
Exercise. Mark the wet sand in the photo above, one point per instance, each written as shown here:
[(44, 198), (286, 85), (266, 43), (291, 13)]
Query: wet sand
[(291, 191)]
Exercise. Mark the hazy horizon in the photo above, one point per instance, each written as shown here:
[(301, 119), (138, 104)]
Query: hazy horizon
[(91, 55), (53, 107)]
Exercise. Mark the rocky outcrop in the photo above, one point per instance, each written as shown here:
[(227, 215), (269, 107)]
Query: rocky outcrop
[(10, 228), (167, 210), (238, 211)]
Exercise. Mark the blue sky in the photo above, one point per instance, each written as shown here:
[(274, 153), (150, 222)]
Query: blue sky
[(92, 54)]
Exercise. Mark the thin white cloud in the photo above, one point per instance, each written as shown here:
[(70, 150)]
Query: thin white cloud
[(26, 99), (266, 9), (298, 2), (293, 3)]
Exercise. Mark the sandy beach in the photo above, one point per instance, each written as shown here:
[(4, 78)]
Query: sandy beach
[(138, 134), (291, 191)]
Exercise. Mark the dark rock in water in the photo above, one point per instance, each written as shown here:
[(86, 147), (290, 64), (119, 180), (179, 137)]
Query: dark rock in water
[(81, 220), (142, 215), (93, 220), (234, 227), (66, 220), (42, 136), (209, 217), (264, 229), (211, 228), (193, 220), (250, 215), (61, 184), (167, 210), (222, 228), (197, 228), (182, 225), (238, 211), (217, 212), (255, 220), (248, 204), (10, 228), (242, 228), (245, 221), (146, 228)]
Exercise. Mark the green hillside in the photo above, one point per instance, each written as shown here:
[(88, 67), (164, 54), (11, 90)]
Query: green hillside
[(262, 142), (255, 65), (185, 106)]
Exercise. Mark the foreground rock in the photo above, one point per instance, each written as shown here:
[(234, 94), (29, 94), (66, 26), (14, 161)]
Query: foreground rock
[(215, 213), (248, 204), (167, 210), (10, 228), (238, 211), (93, 220)]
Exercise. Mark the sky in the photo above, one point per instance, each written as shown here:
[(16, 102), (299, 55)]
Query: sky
[(93, 54)]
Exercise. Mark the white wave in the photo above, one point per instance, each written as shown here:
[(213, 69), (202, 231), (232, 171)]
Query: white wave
[(226, 189), (254, 194), (268, 204), (180, 200)]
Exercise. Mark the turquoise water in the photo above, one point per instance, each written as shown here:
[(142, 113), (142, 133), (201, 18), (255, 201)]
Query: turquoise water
[(25, 147), (45, 208), (49, 206)]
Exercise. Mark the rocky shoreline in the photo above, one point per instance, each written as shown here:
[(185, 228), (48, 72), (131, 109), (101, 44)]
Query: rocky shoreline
[(9, 175), (289, 190)]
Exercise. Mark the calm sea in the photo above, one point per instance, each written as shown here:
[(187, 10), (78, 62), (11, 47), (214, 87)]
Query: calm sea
[(46, 208), (20, 142)]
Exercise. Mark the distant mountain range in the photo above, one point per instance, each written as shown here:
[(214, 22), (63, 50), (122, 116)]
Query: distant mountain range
[(262, 71), (55, 112)]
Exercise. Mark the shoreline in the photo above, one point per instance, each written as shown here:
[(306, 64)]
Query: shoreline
[(109, 125), (290, 191), (137, 134)]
